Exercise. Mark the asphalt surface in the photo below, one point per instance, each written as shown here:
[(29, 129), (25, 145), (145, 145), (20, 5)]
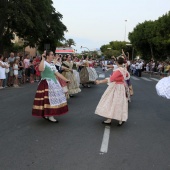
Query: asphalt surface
[(30, 143)]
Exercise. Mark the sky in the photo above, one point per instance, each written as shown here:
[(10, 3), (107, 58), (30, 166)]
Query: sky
[(93, 23)]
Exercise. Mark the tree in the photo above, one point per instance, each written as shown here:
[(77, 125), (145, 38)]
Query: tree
[(152, 38), (35, 21), (70, 42), (114, 48)]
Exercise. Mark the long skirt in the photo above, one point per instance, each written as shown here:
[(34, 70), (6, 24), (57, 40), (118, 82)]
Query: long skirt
[(84, 76), (92, 74), (163, 87), (114, 103), (45, 101), (73, 86), (77, 77)]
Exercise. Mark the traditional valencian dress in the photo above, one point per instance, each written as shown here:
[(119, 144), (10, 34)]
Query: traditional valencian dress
[(50, 99), (73, 86), (114, 102), (62, 82), (87, 73), (163, 87)]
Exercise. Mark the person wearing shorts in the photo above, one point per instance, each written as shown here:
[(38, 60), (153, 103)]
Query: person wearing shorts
[(26, 67)]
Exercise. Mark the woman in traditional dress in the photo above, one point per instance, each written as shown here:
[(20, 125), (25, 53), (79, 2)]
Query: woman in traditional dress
[(93, 71), (87, 74), (49, 100), (114, 102), (75, 70), (128, 81), (163, 87), (73, 86), (58, 64)]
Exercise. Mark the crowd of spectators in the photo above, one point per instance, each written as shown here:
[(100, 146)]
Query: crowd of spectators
[(139, 66), (17, 70)]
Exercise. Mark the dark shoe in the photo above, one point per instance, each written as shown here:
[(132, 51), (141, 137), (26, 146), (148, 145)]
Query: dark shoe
[(121, 123), (46, 118), (84, 85), (106, 123)]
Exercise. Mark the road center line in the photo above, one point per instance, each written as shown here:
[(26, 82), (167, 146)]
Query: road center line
[(155, 79), (144, 78), (134, 78), (105, 141)]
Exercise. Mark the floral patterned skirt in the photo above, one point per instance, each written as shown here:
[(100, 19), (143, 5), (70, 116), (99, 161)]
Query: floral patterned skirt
[(114, 103)]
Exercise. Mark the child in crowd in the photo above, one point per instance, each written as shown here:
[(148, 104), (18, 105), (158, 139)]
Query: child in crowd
[(15, 68)]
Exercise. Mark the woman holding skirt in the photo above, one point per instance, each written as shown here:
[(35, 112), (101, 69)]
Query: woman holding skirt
[(114, 102), (73, 86), (50, 99), (58, 64), (88, 74)]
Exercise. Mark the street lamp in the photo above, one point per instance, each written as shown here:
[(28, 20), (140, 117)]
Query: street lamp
[(125, 30), (86, 48), (132, 49)]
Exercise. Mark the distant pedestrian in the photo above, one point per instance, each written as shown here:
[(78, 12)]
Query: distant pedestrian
[(26, 63), (15, 68), (5, 60), (2, 71)]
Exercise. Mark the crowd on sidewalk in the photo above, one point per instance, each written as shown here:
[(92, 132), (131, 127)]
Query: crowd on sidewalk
[(139, 66), (17, 70)]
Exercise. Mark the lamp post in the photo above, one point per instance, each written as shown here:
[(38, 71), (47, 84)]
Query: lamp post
[(125, 31), (86, 48), (132, 49)]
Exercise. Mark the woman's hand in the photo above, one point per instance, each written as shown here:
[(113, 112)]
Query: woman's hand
[(97, 82), (43, 56), (71, 70), (68, 81)]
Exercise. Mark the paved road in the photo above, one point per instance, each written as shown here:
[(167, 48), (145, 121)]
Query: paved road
[(29, 143)]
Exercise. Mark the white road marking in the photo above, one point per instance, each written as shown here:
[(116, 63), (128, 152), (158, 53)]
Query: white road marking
[(134, 78), (105, 141), (144, 78), (155, 79)]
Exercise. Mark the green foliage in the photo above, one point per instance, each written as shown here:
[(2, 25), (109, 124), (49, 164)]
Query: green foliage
[(70, 42), (36, 22), (152, 38), (114, 48)]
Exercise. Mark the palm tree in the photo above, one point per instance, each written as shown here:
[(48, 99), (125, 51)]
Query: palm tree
[(70, 42)]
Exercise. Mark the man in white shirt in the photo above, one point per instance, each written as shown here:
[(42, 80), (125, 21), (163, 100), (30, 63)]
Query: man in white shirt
[(26, 67), (140, 66), (11, 60), (136, 67)]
